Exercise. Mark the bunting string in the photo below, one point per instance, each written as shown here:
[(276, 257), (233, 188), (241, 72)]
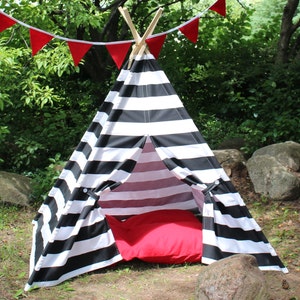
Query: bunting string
[(117, 49)]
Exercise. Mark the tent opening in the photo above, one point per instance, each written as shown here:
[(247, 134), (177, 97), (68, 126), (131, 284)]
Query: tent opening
[(150, 187)]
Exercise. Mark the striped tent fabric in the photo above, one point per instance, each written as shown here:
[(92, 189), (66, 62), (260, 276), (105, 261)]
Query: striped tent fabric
[(141, 153)]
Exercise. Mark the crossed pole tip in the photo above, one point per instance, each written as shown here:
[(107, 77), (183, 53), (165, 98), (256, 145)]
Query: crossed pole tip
[(140, 46)]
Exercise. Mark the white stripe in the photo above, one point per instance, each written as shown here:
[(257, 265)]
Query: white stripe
[(230, 199), (145, 78), (59, 200), (149, 157), (100, 117), (148, 103), (115, 154), (242, 223), (45, 230), (76, 272), (206, 176), (153, 128), (207, 261), (187, 205), (79, 158), (208, 210), (90, 138), (235, 246), (273, 268), (210, 175), (81, 247), (59, 197), (140, 195), (185, 152), (94, 180), (112, 95), (33, 247), (123, 74), (68, 177), (76, 207), (143, 57), (150, 175)]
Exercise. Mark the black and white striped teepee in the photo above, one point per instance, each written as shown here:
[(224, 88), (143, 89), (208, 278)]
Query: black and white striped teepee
[(141, 153)]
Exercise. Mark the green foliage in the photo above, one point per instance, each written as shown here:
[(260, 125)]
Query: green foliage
[(227, 80), (214, 129), (230, 76), (43, 180)]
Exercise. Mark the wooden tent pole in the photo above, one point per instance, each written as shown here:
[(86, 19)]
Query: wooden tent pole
[(124, 12), (140, 46)]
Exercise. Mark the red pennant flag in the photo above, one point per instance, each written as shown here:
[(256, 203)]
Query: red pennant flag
[(118, 52), (155, 44), (191, 30), (5, 22), (219, 7), (38, 40), (78, 51)]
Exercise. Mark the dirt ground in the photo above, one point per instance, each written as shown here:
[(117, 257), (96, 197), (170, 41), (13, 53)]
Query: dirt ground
[(137, 280), (131, 281)]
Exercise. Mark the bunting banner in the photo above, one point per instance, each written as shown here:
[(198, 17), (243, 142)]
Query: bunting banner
[(38, 39), (118, 52), (119, 49), (155, 44), (78, 50), (219, 7), (6, 22), (191, 30)]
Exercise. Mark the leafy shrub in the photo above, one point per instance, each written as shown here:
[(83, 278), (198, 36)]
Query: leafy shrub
[(215, 130), (43, 180)]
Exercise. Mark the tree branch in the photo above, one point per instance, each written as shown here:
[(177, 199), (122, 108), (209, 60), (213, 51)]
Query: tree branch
[(287, 30)]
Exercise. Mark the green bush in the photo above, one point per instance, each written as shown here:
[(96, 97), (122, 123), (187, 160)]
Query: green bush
[(43, 180)]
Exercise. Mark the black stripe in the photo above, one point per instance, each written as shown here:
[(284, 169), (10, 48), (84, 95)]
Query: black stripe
[(39, 218), (74, 167), (106, 107), (180, 139), (84, 148), (95, 128), (148, 65), (237, 234), (64, 188), (224, 187), (142, 116), (263, 259), (85, 233), (235, 211), (130, 116), (171, 114), (193, 164), (39, 245), (106, 167), (149, 90), (107, 184), (74, 263), (120, 141), (117, 86)]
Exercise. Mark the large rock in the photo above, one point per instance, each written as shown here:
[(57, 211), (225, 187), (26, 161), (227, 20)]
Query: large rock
[(14, 189), (274, 171), (232, 161), (234, 278)]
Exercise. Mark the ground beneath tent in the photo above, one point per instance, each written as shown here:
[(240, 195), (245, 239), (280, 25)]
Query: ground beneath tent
[(140, 281), (137, 280)]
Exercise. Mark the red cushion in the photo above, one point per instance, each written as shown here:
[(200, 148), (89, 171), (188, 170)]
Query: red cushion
[(163, 236)]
